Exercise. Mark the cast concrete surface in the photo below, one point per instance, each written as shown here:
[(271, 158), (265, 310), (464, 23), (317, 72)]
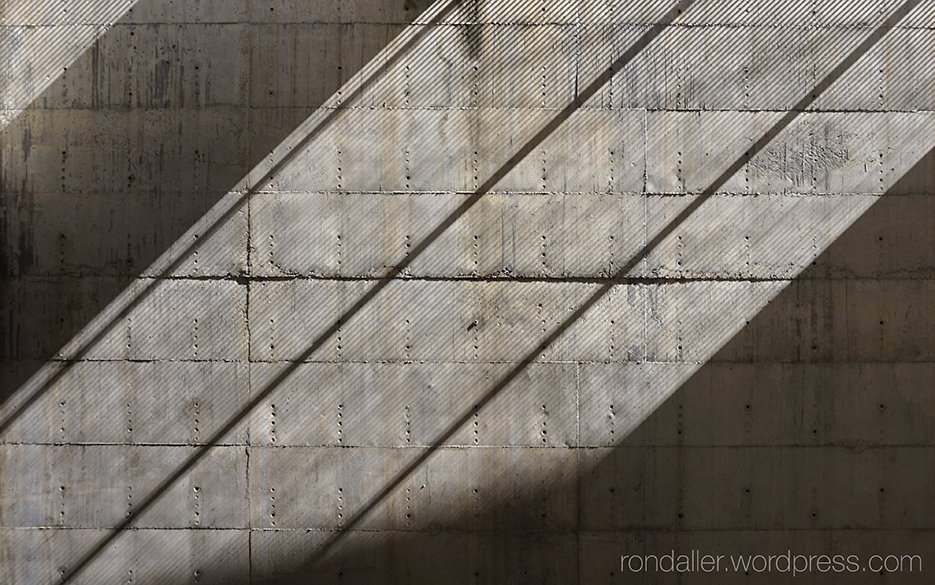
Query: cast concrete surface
[(479, 291)]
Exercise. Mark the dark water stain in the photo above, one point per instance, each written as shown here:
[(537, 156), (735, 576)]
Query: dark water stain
[(473, 30)]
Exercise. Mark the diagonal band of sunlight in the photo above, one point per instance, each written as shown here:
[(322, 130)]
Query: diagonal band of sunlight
[(364, 300), (53, 39), (620, 274), (131, 297), (561, 117)]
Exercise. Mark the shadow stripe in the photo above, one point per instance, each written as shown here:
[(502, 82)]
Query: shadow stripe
[(620, 275), (511, 163)]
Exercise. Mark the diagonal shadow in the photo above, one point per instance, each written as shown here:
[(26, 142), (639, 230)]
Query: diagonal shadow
[(627, 267), (221, 181), (619, 275), (792, 392), (511, 163), (826, 383), (415, 253)]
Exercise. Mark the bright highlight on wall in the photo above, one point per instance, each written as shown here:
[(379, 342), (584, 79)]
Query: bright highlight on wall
[(493, 252)]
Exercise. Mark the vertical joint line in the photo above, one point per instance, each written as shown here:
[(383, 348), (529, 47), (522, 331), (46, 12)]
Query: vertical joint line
[(249, 374)]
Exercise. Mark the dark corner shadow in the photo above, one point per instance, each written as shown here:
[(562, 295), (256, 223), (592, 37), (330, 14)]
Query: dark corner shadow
[(519, 512), (135, 141), (336, 545), (414, 253), (799, 375)]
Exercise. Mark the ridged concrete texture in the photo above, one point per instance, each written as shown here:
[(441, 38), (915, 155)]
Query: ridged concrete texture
[(482, 291)]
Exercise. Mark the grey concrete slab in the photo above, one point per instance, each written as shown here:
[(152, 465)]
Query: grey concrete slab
[(894, 232), (180, 319), (884, 325), (136, 402), (689, 151), (552, 235), (528, 67), (327, 486), (187, 12), (615, 399), (817, 153), (462, 557), (443, 74), (436, 324), (26, 50), (203, 556), (808, 323), (13, 373), (180, 152), (747, 68), (689, 321), (388, 152), (296, 64), (99, 486), (860, 87), (757, 236), (335, 404), (35, 305), (358, 11), (761, 404), (755, 383), (48, 13), (833, 488), (919, 16), (93, 240), (502, 134), (514, 12), (158, 66)]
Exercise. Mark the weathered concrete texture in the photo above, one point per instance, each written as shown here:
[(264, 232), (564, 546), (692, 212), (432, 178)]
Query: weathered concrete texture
[(192, 553), (136, 402), (418, 403), (484, 291)]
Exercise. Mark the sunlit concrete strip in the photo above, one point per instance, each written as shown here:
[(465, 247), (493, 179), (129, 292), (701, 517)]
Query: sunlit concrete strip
[(199, 235), (691, 319), (709, 311), (707, 326), (726, 303), (40, 39)]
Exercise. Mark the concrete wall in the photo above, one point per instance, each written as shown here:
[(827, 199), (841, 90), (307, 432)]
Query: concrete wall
[(470, 292)]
